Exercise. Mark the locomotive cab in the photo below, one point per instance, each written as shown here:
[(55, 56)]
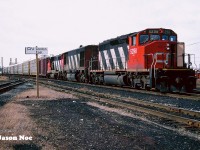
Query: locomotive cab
[(153, 44)]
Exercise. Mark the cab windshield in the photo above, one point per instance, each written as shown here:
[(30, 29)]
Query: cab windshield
[(153, 37), (164, 37), (144, 38), (172, 38)]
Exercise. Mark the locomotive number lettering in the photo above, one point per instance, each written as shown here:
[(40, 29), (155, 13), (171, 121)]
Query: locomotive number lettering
[(133, 51), (153, 31), (167, 32)]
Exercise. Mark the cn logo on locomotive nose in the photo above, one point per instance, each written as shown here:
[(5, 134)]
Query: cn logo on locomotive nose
[(133, 51)]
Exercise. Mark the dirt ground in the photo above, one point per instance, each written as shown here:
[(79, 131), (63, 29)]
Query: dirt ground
[(15, 119), (3, 78), (30, 116), (62, 121)]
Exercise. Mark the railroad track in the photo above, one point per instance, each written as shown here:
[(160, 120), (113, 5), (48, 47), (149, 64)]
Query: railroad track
[(4, 87), (184, 117), (194, 96)]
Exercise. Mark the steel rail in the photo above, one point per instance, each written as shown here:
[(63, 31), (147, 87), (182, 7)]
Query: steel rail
[(107, 99), (6, 83), (167, 108), (9, 86), (150, 104), (190, 122), (194, 96)]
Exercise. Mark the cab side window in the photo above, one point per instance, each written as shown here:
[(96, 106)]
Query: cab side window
[(172, 38), (134, 40)]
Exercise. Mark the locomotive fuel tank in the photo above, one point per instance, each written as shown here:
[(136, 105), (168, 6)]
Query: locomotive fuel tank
[(111, 78), (71, 76)]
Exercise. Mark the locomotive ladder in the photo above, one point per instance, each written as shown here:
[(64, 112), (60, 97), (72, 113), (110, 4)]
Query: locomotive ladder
[(153, 66)]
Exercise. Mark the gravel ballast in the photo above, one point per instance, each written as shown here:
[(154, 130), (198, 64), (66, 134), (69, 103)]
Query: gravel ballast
[(63, 121)]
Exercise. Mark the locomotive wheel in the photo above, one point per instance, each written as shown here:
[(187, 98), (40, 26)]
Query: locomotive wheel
[(163, 87), (137, 86), (93, 79), (147, 87), (65, 76), (82, 78), (132, 83), (96, 81)]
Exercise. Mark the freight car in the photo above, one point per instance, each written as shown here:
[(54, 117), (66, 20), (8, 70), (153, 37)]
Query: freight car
[(148, 59), (43, 66), (5, 70), (19, 69), (26, 68)]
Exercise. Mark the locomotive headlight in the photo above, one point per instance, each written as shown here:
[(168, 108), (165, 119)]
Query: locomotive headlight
[(167, 46)]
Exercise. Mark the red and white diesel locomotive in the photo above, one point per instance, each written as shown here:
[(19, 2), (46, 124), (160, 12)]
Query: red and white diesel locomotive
[(148, 59)]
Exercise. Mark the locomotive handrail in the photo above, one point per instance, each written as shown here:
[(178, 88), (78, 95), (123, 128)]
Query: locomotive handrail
[(156, 60), (151, 71), (194, 61), (161, 61), (189, 60), (91, 64)]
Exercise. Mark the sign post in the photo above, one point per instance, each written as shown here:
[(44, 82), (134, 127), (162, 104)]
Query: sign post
[(36, 50), (2, 65), (37, 74)]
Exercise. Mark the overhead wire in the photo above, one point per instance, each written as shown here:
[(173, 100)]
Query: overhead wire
[(193, 44)]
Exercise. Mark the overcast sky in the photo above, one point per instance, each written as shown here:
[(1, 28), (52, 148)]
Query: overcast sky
[(62, 25)]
